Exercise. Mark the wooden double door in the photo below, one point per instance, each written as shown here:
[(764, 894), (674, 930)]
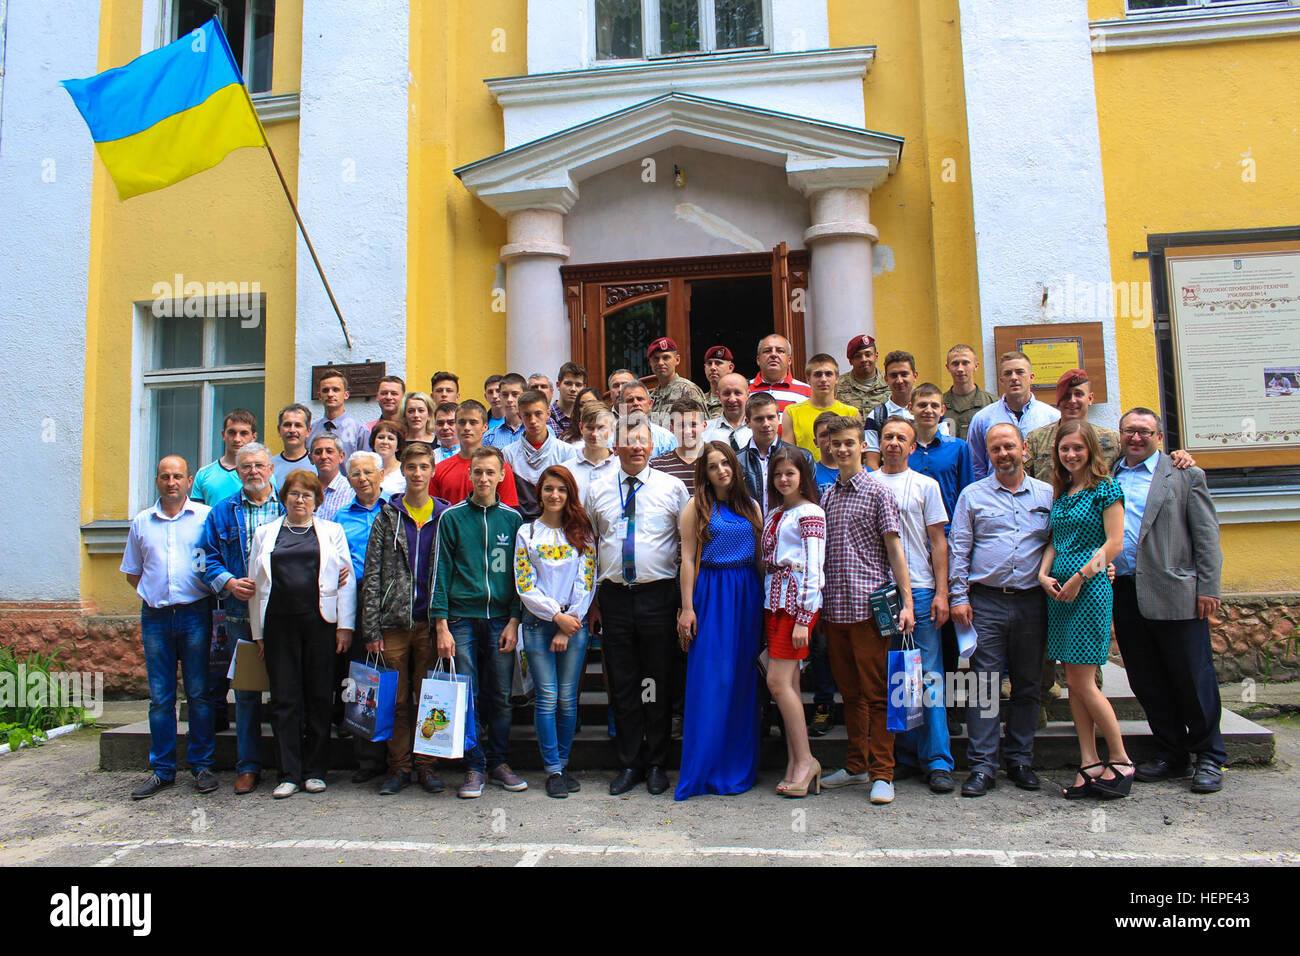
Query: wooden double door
[(617, 309)]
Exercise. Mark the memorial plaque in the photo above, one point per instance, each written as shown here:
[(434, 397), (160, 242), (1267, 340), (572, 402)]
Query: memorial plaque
[(363, 377)]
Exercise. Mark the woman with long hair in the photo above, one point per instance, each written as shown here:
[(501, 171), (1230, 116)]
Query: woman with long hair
[(416, 414), (719, 627), (555, 574), (1087, 535), (573, 434), (387, 439), (794, 547)]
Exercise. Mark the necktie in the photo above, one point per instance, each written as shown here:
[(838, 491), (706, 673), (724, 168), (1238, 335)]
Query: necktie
[(629, 539)]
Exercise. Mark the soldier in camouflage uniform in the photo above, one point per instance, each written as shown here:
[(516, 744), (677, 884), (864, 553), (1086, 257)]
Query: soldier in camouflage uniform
[(965, 398), (672, 387), (864, 388), (1073, 398), (718, 361)]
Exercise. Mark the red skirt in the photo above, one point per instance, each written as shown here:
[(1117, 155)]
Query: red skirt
[(778, 628)]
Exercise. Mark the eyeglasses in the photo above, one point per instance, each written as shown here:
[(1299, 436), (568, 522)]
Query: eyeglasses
[(301, 495), (1138, 433)]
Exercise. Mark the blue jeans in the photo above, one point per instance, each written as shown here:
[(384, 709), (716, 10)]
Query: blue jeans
[(248, 711), (476, 654), (171, 635), (556, 682), (927, 746)]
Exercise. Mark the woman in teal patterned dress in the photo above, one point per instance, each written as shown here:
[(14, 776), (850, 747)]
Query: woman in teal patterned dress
[(1087, 535)]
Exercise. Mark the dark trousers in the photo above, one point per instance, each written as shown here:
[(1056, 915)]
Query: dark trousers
[(819, 663), (1012, 631), (638, 644), (300, 663), (1171, 670)]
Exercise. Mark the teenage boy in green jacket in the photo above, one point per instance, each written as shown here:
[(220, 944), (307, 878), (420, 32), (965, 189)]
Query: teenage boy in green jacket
[(475, 612)]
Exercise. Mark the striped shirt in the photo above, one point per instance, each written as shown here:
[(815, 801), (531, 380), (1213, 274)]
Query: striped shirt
[(788, 391)]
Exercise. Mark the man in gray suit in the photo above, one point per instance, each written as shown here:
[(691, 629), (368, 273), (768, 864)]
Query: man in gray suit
[(1166, 588)]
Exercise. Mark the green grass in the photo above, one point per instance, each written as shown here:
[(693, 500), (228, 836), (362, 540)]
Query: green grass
[(28, 724)]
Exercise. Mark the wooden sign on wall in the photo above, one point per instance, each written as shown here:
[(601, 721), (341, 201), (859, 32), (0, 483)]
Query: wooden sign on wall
[(1055, 349), (363, 377)]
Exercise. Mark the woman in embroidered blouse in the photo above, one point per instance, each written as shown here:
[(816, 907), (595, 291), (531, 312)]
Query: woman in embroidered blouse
[(794, 546), (555, 574)]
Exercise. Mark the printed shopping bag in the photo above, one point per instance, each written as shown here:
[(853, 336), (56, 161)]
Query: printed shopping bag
[(370, 699), (906, 684), (443, 713), (521, 683)]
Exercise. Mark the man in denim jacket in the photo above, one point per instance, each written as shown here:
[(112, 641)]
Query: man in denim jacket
[(227, 541)]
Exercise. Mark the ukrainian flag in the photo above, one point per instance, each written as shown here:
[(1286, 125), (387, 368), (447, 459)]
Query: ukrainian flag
[(170, 113)]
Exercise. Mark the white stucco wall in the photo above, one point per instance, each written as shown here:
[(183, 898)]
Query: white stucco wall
[(352, 168), (562, 33), (727, 206), (45, 179), (1036, 181)]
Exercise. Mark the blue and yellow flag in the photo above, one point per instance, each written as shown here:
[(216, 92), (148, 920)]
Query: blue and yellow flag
[(170, 113)]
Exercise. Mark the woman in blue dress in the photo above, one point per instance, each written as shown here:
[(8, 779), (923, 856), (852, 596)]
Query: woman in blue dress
[(720, 626), (1087, 535)]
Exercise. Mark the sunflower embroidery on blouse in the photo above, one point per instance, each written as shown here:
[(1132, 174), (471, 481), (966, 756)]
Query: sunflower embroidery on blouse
[(525, 576), (589, 568), (555, 552)]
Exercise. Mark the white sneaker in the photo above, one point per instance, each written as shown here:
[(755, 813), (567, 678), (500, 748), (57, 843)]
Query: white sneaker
[(285, 789), (882, 791), (314, 785), (842, 778)]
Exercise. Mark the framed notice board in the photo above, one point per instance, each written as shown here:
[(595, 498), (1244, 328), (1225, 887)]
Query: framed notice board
[(1053, 350)]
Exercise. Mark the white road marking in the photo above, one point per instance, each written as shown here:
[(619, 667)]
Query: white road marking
[(531, 853)]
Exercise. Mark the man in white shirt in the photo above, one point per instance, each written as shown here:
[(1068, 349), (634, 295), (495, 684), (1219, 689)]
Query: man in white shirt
[(635, 512), (920, 508), (536, 451), (730, 426), (175, 624)]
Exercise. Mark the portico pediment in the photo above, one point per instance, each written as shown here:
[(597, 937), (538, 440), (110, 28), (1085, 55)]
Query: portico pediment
[(816, 155)]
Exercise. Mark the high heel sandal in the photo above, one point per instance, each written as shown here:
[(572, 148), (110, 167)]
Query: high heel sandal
[(1084, 789), (1119, 785), (800, 789)]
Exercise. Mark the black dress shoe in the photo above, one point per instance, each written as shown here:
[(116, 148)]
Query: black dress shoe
[(625, 781), (1023, 776), (571, 781), (978, 784), (656, 781), (151, 786), (1161, 769), (1208, 777), (556, 787), (940, 781)]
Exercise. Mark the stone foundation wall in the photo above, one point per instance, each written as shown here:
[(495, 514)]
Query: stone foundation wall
[(84, 642), (1257, 635)]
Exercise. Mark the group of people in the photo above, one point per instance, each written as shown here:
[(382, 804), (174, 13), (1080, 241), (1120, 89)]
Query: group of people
[(704, 538)]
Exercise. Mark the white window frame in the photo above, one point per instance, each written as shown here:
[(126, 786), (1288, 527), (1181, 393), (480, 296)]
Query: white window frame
[(650, 33), (1203, 7), (146, 381)]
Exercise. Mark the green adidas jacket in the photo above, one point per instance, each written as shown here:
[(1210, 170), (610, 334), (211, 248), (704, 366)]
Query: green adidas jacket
[(472, 574)]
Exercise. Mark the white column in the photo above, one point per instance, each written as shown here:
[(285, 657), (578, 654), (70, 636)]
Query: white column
[(840, 238), (537, 325)]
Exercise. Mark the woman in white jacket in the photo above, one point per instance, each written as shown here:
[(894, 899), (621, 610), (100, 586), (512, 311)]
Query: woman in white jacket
[(304, 605)]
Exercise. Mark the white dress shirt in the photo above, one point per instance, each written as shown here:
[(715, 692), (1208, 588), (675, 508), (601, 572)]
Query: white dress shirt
[(660, 499), (585, 471), (166, 553), (719, 429)]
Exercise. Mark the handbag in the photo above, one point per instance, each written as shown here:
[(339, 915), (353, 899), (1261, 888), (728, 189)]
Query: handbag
[(906, 684), (445, 715), (370, 699)]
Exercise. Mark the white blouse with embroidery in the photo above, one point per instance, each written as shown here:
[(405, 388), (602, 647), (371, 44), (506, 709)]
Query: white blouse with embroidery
[(552, 577), (794, 548)]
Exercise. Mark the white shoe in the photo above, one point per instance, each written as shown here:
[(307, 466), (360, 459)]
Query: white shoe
[(285, 789), (842, 778), (882, 791), (314, 785)]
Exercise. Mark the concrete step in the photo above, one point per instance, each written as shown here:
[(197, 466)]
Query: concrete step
[(127, 747)]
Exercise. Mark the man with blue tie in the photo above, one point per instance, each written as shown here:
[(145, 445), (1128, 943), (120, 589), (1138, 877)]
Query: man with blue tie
[(635, 511), (1166, 588)]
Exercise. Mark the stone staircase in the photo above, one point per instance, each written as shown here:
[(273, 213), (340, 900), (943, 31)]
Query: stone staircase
[(127, 747)]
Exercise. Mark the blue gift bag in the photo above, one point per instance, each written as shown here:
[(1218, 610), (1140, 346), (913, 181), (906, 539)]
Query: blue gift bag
[(370, 699), (906, 687)]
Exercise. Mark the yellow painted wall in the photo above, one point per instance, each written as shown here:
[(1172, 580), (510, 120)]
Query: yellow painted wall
[(1176, 123), (929, 300), (230, 223), (454, 239)]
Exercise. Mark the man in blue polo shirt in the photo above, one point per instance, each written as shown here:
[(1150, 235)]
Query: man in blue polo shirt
[(945, 459)]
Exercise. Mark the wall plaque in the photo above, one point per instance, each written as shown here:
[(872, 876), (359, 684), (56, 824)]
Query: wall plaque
[(363, 377)]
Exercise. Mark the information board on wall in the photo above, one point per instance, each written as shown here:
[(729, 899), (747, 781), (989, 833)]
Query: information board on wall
[(1235, 315)]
